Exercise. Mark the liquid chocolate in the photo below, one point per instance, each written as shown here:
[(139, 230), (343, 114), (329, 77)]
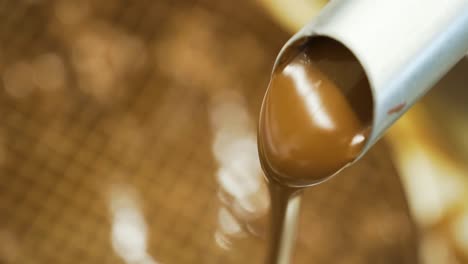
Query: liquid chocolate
[(314, 120)]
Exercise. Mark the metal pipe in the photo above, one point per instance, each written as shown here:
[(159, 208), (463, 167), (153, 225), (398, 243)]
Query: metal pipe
[(404, 46)]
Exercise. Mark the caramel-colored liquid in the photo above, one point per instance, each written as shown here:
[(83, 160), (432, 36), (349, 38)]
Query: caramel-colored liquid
[(314, 121)]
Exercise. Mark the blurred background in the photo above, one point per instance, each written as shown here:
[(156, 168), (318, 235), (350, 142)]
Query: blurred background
[(128, 135)]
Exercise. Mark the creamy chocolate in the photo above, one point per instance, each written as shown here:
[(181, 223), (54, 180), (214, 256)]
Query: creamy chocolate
[(314, 120), (308, 126)]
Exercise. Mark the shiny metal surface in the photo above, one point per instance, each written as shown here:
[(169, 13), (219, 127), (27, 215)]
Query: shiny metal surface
[(127, 135), (404, 47)]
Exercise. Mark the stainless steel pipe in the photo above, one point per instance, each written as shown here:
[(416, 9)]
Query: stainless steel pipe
[(405, 46)]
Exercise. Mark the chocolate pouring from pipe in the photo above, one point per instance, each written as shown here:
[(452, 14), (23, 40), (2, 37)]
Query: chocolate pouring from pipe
[(404, 46)]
